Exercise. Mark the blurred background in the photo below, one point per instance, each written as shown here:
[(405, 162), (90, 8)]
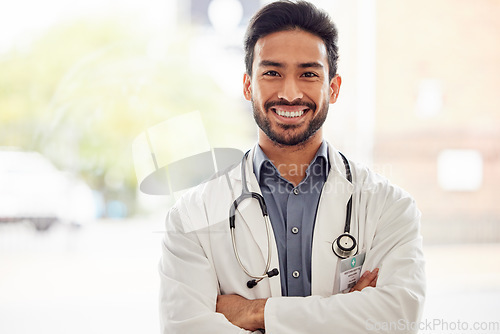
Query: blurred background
[(80, 83)]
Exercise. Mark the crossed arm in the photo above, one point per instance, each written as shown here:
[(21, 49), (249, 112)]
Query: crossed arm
[(249, 314), (189, 295)]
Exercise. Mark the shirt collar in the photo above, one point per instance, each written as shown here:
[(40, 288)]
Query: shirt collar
[(259, 158)]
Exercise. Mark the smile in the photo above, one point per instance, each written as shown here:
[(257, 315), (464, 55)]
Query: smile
[(289, 114)]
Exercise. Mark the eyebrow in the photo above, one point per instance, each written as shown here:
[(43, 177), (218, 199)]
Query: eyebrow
[(270, 63), (311, 64)]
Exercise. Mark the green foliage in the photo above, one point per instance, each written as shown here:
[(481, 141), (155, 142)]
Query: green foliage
[(84, 90)]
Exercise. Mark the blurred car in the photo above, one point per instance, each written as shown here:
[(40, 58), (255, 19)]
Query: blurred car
[(33, 189)]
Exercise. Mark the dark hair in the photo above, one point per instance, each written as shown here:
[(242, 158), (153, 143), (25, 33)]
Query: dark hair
[(287, 15)]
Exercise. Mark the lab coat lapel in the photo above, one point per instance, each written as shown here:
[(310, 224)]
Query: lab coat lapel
[(330, 222), (251, 214)]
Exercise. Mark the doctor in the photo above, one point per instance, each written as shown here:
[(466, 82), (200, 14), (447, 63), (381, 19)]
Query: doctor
[(306, 186)]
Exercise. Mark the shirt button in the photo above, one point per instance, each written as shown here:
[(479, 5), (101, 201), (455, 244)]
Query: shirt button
[(295, 230), (296, 191), (296, 274)]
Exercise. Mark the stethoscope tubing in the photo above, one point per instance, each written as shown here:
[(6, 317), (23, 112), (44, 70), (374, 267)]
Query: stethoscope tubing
[(268, 261), (245, 194), (337, 248)]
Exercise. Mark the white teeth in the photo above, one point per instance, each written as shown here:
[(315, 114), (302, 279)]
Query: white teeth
[(289, 114)]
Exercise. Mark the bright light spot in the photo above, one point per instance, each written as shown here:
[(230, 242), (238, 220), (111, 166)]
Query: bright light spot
[(430, 98), (460, 170), (225, 15)]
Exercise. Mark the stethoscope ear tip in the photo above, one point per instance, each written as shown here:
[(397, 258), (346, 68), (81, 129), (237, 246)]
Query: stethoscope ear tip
[(273, 272), (270, 273), (251, 283)]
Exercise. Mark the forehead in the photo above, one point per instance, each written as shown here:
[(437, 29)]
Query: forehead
[(291, 47)]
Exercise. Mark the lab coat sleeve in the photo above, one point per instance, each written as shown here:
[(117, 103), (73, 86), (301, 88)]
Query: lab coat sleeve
[(394, 306), (188, 284)]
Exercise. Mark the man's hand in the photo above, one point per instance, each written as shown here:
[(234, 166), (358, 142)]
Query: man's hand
[(244, 313), (369, 278), (249, 313)]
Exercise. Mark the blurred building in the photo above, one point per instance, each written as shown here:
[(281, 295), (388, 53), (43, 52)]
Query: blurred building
[(438, 112)]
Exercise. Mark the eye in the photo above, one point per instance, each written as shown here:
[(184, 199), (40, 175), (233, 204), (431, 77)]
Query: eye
[(310, 75), (272, 74)]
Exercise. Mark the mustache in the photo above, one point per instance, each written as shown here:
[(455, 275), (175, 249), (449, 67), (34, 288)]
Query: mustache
[(298, 102)]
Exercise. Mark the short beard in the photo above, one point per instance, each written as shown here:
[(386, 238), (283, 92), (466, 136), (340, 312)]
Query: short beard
[(284, 139)]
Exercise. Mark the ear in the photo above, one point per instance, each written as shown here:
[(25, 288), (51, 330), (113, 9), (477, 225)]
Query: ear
[(335, 88), (247, 86)]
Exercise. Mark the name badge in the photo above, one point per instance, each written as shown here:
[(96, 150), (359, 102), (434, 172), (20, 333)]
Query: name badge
[(350, 271)]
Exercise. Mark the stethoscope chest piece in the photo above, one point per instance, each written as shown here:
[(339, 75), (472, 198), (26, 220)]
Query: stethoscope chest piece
[(345, 246)]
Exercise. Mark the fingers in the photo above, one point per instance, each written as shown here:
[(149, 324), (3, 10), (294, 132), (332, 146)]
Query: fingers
[(369, 278), (374, 281)]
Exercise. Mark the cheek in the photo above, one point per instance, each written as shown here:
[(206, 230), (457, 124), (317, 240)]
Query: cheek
[(318, 95), (327, 92), (259, 94)]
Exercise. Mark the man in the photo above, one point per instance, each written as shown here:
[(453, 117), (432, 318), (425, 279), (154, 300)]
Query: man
[(312, 196)]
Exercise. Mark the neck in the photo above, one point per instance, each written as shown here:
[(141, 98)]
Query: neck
[(291, 161)]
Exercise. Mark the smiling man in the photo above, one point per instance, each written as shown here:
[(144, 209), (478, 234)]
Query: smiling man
[(290, 89), (295, 239), (291, 80)]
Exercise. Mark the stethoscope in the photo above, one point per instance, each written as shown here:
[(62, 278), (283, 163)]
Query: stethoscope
[(344, 246)]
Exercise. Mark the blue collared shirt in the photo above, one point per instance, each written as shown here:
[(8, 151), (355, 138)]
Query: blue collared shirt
[(292, 211)]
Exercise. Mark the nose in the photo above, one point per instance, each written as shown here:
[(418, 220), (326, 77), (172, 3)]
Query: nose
[(290, 90)]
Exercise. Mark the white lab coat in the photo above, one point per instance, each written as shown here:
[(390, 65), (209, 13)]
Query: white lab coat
[(198, 261)]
